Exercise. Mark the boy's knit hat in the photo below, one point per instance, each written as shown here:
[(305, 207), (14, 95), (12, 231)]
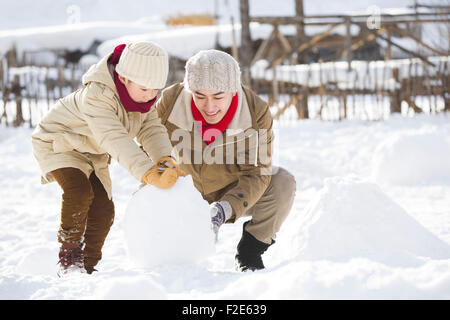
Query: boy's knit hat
[(212, 70), (144, 63)]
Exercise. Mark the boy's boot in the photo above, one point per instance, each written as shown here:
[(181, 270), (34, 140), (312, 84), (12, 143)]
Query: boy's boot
[(70, 258)]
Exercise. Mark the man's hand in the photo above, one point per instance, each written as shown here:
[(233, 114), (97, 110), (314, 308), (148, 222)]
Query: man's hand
[(220, 212), (163, 174)]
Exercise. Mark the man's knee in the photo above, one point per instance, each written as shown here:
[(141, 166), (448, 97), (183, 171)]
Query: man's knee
[(284, 187), (284, 183), (270, 212)]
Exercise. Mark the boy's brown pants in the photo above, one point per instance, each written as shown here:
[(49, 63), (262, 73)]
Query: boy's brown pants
[(86, 212)]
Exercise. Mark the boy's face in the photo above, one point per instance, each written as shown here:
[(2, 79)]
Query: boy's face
[(212, 104), (138, 93)]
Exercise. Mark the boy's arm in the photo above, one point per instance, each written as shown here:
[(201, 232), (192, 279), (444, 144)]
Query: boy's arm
[(153, 136), (100, 113)]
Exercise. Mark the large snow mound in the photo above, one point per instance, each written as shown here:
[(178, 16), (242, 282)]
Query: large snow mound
[(412, 158), (168, 226), (350, 218)]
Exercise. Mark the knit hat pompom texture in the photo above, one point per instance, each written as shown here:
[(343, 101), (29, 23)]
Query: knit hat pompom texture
[(212, 70), (144, 63)]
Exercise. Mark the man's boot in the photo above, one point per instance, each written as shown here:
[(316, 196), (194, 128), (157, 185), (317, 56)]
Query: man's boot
[(249, 251), (70, 258)]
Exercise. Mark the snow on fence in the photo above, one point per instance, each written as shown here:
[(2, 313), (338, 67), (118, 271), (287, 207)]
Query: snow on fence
[(370, 90), (28, 92)]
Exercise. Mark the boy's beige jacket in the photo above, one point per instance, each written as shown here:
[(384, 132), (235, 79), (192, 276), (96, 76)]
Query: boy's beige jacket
[(88, 127)]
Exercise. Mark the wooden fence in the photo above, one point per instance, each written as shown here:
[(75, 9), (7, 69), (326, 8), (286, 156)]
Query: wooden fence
[(330, 90), (27, 91), (420, 83)]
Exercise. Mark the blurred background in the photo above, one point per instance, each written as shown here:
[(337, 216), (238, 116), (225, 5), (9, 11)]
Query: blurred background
[(328, 60)]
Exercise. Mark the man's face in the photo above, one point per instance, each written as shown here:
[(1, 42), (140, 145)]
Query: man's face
[(212, 104), (138, 93)]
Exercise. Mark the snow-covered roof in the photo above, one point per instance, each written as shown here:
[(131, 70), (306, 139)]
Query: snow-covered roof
[(182, 41)]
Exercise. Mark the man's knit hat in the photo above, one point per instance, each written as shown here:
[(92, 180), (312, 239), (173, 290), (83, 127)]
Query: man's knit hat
[(212, 70), (144, 63)]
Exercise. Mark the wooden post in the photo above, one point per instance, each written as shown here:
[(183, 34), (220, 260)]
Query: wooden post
[(445, 86), (16, 88), (4, 92), (301, 104), (270, 101), (305, 96), (321, 89), (1, 75), (246, 45), (348, 42), (395, 95), (61, 80), (301, 37), (388, 54), (344, 101)]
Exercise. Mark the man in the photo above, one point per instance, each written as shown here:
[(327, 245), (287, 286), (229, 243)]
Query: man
[(222, 133)]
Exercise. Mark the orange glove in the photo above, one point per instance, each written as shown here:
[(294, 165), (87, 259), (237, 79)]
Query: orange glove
[(163, 174)]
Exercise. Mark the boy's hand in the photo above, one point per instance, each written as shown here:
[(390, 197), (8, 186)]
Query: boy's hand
[(163, 174)]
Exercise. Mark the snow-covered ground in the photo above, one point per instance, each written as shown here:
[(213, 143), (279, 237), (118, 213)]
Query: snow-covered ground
[(371, 220)]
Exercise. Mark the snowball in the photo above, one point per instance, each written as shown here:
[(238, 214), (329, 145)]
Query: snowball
[(412, 158), (168, 226), (350, 218)]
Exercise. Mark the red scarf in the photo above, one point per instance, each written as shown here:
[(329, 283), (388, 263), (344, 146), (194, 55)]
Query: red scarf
[(209, 132), (128, 103)]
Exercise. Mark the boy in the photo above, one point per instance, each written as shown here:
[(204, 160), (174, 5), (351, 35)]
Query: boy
[(75, 141)]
